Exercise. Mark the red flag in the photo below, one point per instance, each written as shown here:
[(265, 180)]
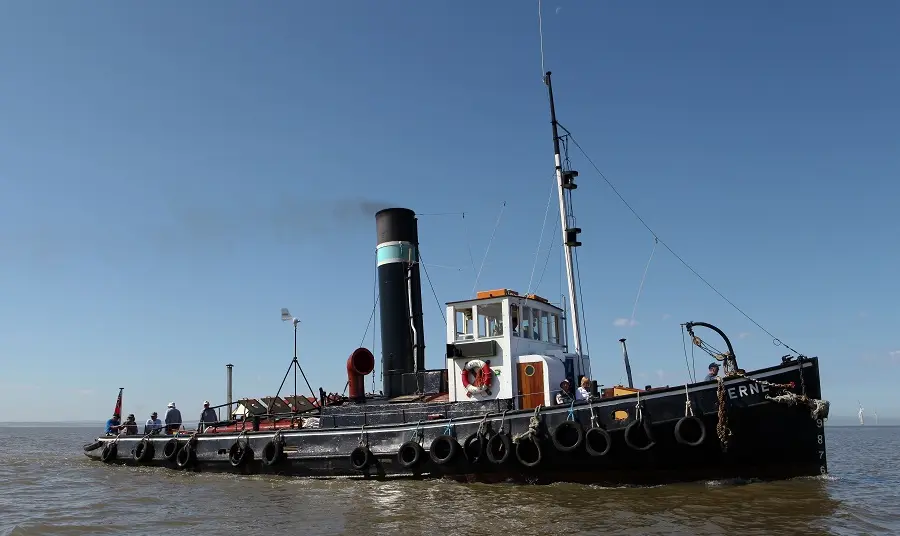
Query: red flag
[(118, 411)]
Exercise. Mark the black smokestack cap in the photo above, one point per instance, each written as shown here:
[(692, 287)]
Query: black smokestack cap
[(400, 297)]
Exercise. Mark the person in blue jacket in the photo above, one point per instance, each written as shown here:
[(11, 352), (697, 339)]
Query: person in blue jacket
[(112, 425)]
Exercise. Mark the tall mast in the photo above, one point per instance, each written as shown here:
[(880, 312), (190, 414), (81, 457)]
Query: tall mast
[(565, 180)]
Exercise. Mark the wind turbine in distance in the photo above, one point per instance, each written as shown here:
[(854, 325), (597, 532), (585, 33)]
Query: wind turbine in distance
[(861, 420)]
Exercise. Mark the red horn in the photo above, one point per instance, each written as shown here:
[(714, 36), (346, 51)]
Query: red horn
[(360, 363)]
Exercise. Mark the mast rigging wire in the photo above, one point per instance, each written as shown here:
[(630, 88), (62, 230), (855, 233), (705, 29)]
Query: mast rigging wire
[(541, 239), (775, 340), (491, 241), (641, 286)]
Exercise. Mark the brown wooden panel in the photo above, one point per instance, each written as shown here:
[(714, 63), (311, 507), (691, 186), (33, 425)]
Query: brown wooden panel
[(531, 385)]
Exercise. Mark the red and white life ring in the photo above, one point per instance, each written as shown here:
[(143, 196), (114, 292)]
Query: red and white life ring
[(483, 377)]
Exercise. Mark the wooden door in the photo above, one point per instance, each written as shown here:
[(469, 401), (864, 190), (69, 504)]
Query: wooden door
[(531, 385)]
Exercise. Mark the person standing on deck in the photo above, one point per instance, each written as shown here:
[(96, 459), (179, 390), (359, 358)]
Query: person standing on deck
[(208, 416), (564, 396), (172, 418), (713, 371)]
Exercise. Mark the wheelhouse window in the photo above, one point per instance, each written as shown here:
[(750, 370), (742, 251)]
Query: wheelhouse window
[(490, 320), (465, 327), (554, 329), (514, 319)]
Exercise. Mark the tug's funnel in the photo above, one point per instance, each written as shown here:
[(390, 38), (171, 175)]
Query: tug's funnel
[(400, 297)]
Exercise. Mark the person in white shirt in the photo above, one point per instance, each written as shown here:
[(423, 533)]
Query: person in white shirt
[(152, 425), (582, 393)]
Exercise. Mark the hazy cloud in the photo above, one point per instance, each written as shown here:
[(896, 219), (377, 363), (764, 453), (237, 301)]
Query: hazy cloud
[(624, 322), (666, 316), (743, 335)]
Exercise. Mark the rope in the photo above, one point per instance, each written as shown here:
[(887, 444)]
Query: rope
[(363, 435), (502, 421), (775, 340), (722, 429), (541, 33), (638, 413), (818, 408), (434, 292), (593, 415), (541, 239), (641, 286), (534, 424), (688, 410), (417, 435), (450, 429), (468, 244), (571, 415), (491, 241)]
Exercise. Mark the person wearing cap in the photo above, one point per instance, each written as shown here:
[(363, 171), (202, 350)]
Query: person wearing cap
[(208, 416), (172, 418), (153, 424), (564, 396), (713, 371)]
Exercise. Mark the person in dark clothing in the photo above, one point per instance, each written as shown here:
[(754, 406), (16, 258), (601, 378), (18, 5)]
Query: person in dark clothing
[(172, 418), (564, 396), (208, 416), (131, 427), (713, 371)]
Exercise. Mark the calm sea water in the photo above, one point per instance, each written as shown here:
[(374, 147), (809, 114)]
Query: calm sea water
[(56, 490)]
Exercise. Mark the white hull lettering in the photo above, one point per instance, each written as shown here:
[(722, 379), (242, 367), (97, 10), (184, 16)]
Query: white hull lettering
[(741, 391)]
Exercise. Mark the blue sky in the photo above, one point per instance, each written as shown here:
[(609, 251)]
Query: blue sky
[(171, 175)]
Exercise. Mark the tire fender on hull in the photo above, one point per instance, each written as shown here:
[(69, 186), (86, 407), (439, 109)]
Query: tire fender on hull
[(170, 450), (410, 454), (361, 458), (568, 436), (109, 452), (144, 451), (499, 448), (690, 431), (528, 451), (633, 434), (597, 442), (444, 449), (240, 454), (273, 452)]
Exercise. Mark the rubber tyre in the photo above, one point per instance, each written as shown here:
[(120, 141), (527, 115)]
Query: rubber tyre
[(637, 427), (361, 458), (499, 448), (170, 450), (93, 446), (109, 452), (186, 457), (410, 454), (240, 454), (528, 452), (272, 453), (568, 436), (444, 449), (144, 451), (684, 428), (475, 448), (597, 442)]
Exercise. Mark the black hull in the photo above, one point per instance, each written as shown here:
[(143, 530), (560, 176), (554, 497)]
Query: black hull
[(769, 440)]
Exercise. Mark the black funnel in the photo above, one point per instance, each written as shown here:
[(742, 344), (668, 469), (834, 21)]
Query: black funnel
[(400, 297)]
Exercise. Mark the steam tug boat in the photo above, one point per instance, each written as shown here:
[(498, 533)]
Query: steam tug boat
[(492, 414)]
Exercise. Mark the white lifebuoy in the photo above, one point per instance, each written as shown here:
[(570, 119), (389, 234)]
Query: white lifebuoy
[(484, 377)]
